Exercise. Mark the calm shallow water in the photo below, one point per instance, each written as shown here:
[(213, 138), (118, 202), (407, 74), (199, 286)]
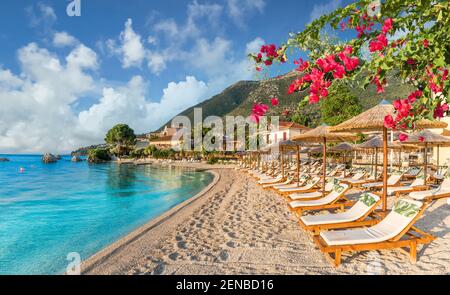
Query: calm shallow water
[(50, 210)]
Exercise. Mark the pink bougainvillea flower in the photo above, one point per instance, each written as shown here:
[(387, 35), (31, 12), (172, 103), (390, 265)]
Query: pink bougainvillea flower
[(274, 101), (258, 69), (313, 98), (389, 122), (403, 137), (285, 112), (426, 43), (440, 110), (379, 43), (411, 61), (268, 62), (260, 109), (421, 138), (388, 25)]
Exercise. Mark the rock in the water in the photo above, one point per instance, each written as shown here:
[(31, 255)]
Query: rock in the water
[(49, 158), (76, 159), (58, 157), (4, 160)]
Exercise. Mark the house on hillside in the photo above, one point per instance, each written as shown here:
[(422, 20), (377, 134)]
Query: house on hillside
[(285, 131)]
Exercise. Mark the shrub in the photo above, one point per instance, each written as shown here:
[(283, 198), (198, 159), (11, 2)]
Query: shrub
[(98, 156), (212, 161)]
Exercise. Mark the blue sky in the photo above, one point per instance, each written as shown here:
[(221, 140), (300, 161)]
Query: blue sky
[(65, 80)]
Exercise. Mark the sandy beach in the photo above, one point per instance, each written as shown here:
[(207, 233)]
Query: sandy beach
[(236, 227)]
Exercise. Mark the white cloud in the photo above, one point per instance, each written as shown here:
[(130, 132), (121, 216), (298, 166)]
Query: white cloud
[(129, 104), (131, 50), (36, 114), (255, 45), (321, 9), (41, 14), (156, 62), (62, 39), (239, 9)]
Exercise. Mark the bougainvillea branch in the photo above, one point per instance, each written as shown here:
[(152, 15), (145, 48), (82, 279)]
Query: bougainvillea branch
[(410, 38)]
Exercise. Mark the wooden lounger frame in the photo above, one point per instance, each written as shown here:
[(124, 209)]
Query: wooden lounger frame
[(369, 219), (409, 238), (340, 203)]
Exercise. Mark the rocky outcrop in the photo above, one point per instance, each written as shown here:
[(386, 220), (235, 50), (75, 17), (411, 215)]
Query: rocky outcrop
[(4, 160), (49, 158), (76, 159)]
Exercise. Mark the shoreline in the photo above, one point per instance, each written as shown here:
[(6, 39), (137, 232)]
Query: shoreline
[(236, 227), (100, 256)]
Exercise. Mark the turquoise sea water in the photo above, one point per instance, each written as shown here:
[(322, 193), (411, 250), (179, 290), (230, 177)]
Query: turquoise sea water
[(48, 211)]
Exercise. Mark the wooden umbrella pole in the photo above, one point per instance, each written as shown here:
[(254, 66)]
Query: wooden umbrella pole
[(376, 163), (437, 158), (385, 164), (298, 165), (324, 164), (345, 164), (425, 159)]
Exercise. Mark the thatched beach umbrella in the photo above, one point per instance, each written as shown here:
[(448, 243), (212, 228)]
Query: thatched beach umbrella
[(343, 147), (323, 134), (296, 146), (374, 144), (427, 139), (373, 120)]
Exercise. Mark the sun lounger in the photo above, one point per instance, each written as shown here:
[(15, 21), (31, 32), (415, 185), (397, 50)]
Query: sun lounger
[(394, 231), (440, 174), (413, 172), (335, 199), (294, 184), (443, 191), (316, 194), (270, 185), (393, 180), (356, 177), (271, 180), (356, 216), (417, 185), (309, 186)]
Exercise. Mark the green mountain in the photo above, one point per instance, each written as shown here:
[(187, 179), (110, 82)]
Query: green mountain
[(238, 99)]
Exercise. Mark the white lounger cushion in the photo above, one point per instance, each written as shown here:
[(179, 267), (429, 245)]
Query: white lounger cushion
[(310, 195), (444, 188), (356, 212), (417, 182), (309, 185), (273, 184), (392, 225), (266, 181), (332, 196), (289, 186), (391, 181)]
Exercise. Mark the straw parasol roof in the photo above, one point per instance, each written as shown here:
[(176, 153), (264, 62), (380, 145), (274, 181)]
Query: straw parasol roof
[(322, 134), (323, 131), (373, 119), (342, 147), (376, 142), (429, 138)]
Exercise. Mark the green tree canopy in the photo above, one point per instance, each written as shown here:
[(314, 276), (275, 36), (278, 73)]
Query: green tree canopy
[(339, 106), (122, 137)]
